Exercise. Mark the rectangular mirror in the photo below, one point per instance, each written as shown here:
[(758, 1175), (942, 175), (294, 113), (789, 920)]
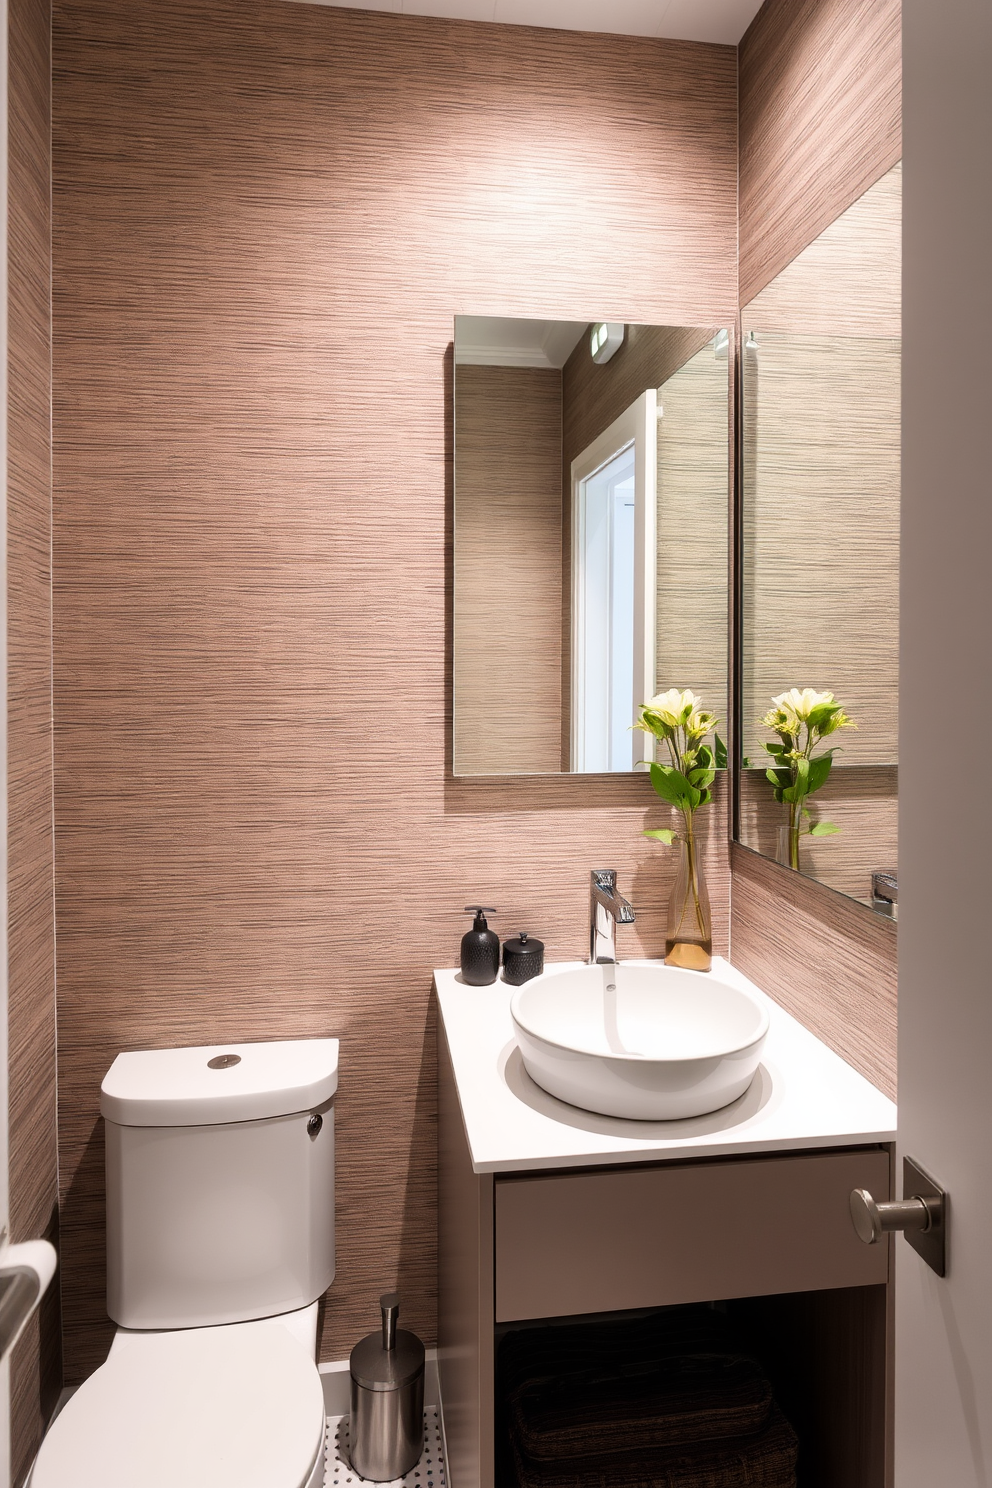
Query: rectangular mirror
[(591, 536), (820, 553)]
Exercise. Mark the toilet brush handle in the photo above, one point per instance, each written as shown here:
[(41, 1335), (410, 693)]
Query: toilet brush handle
[(390, 1304)]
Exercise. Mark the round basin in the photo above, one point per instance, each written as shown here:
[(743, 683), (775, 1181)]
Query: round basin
[(652, 1043)]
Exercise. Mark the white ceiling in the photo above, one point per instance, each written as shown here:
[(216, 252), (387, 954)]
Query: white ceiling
[(684, 20), (493, 341)]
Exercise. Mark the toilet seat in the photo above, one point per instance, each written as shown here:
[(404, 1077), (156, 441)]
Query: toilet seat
[(226, 1407)]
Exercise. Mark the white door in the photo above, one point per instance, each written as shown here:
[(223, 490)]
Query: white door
[(944, 1326), (614, 564), (4, 1072)]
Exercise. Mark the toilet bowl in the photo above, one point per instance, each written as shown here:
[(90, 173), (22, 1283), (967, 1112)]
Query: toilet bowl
[(227, 1407), (220, 1184)]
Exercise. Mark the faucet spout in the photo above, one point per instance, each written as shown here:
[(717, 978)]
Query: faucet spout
[(607, 909)]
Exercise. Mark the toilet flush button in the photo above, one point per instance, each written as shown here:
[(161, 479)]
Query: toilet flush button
[(223, 1061)]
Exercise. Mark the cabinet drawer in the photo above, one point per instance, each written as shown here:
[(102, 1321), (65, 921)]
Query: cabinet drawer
[(687, 1232)]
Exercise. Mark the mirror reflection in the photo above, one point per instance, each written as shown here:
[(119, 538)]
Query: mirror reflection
[(590, 537), (820, 556)]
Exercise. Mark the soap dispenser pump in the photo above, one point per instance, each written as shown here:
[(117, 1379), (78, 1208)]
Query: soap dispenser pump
[(480, 949)]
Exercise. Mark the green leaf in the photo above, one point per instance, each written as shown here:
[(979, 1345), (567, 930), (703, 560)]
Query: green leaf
[(662, 834), (672, 786), (819, 769), (701, 778), (823, 714), (773, 749), (823, 829), (720, 753), (779, 778)]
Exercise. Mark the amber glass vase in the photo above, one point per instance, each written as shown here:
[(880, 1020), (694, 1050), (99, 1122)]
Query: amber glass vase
[(689, 942)]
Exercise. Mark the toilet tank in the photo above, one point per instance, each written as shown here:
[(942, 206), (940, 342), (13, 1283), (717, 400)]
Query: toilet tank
[(220, 1181)]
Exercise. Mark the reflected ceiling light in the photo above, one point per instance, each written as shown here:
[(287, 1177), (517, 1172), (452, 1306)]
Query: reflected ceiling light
[(606, 340)]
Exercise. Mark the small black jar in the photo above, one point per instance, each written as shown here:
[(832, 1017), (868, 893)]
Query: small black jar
[(523, 959)]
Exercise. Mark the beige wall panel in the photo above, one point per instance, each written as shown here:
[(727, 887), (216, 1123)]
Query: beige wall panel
[(508, 546), (821, 534), (848, 281), (820, 92), (266, 217), (694, 531), (831, 963), (36, 1374)]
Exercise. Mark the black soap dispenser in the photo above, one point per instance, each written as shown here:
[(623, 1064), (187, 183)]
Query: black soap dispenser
[(480, 949)]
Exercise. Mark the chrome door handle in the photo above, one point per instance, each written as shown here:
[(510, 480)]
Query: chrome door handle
[(873, 1220), (921, 1215)]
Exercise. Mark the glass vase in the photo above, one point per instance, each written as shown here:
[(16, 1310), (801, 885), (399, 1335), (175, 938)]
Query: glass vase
[(689, 942), (789, 835)]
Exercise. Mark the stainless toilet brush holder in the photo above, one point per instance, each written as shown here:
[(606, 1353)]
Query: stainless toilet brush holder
[(387, 1399)]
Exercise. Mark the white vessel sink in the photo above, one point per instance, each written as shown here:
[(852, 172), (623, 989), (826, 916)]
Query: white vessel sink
[(649, 1042)]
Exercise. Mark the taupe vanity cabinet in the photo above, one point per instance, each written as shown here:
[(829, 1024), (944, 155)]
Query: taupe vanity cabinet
[(769, 1234)]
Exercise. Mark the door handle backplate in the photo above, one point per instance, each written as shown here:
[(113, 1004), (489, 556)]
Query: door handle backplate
[(921, 1215)]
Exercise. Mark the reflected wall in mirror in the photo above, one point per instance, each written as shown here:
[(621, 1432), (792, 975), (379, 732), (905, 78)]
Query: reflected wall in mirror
[(591, 536), (820, 538)]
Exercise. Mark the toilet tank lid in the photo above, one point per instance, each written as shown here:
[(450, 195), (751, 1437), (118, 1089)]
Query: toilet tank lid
[(219, 1083)]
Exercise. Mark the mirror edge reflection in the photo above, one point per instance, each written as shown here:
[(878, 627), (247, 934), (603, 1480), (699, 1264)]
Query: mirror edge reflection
[(489, 698)]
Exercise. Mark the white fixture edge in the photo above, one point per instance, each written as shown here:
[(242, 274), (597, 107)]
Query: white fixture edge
[(812, 1097)]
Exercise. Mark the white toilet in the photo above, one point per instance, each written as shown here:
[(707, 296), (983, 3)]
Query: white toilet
[(220, 1240)]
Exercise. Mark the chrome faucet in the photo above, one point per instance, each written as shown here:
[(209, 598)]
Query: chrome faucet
[(885, 894), (607, 910)]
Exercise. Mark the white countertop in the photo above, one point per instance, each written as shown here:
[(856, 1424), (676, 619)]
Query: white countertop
[(804, 1095)]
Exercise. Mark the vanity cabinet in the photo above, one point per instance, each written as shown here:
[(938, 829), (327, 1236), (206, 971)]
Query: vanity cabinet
[(769, 1235), (605, 1241)]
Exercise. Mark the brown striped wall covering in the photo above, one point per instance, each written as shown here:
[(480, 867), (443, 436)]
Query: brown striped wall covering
[(829, 961), (265, 218), (819, 124), (36, 1374)]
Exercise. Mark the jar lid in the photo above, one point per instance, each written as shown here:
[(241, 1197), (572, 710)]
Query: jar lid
[(524, 945), (376, 1368)]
